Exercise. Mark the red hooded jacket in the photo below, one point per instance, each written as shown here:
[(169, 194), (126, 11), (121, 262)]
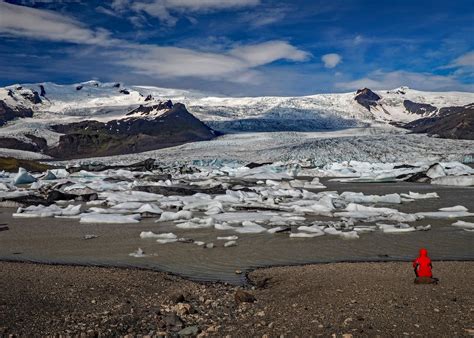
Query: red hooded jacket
[(422, 264)]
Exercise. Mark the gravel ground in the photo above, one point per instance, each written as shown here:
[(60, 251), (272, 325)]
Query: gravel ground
[(356, 299)]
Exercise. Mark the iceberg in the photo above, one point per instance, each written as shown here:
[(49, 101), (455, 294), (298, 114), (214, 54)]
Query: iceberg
[(398, 228), (355, 197), (228, 238), (417, 196), (462, 181), (230, 244), (174, 216), (23, 177), (349, 235), (109, 218), (53, 210), (305, 235), (138, 254), (150, 234), (249, 228), (49, 176), (464, 225)]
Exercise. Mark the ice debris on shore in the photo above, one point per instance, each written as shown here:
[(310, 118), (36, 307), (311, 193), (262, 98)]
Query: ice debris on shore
[(138, 254)]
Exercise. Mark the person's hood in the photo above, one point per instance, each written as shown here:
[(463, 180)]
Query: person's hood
[(423, 252)]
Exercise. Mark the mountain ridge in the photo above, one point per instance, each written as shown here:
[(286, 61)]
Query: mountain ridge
[(39, 107)]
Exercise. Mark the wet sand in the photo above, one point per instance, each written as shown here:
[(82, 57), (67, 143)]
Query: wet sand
[(362, 299)]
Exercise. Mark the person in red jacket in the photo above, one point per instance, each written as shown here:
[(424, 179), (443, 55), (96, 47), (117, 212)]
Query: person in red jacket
[(423, 266)]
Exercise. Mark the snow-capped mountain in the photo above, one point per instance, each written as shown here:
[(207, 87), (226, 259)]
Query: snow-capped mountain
[(29, 111)]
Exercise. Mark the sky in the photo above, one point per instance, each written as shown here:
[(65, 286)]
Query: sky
[(241, 47)]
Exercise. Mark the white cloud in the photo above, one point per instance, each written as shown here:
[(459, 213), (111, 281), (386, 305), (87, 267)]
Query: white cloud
[(237, 64), (331, 60), (41, 24), (266, 52), (465, 60), (379, 80), (162, 8), (264, 17)]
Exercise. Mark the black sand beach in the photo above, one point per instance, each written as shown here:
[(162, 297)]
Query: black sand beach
[(356, 299)]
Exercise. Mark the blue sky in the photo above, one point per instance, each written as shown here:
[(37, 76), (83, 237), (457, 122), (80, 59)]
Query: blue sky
[(241, 47)]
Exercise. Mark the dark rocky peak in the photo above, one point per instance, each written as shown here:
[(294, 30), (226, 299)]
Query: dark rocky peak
[(149, 97), (150, 110), (31, 95), (419, 108), (117, 85), (124, 91), (42, 91), (455, 109), (450, 122), (8, 113), (366, 98), (79, 87), (171, 127)]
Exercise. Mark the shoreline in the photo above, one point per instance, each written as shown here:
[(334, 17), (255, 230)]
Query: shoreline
[(317, 299), (245, 273)]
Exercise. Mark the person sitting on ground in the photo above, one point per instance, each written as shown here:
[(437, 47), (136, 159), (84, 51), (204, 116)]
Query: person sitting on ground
[(423, 266)]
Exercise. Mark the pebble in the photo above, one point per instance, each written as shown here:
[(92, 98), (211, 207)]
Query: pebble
[(182, 309)]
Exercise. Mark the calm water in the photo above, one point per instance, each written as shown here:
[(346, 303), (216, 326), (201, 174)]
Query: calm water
[(61, 240)]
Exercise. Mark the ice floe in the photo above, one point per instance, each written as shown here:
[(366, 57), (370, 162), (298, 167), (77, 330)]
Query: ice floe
[(230, 244), (395, 228), (449, 212), (138, 254), (109, 218), (462, 181), (228, 238), (174, 216), (47, 211), (464, 225), (418, 196)]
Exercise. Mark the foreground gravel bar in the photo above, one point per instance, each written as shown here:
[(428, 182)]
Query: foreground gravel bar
[(356, 299)]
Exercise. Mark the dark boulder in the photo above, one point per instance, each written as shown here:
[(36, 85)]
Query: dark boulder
[(242, 296)]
